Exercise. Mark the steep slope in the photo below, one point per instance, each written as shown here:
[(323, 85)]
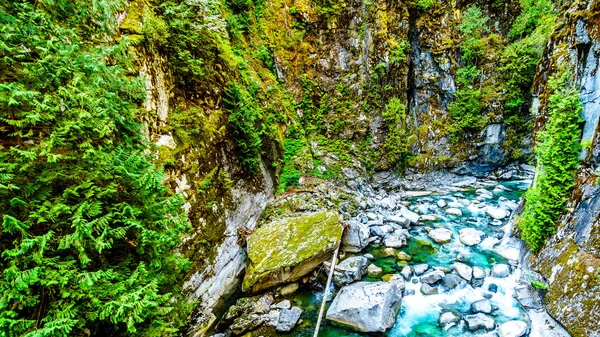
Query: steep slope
[(570, 261)]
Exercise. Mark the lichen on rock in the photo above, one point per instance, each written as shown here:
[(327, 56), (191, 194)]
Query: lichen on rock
[(284, 250)]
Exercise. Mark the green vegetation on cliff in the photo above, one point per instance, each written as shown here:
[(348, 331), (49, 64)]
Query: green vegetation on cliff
[(557, 153), (88, 232)]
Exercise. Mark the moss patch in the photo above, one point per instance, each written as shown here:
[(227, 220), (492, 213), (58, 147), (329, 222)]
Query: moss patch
[(287, 248)]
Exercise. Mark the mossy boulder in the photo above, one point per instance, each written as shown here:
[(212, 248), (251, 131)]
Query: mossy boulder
[(284, 250)]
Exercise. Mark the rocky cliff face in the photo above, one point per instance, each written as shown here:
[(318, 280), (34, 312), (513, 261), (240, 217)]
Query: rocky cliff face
[(570, 261), (320, 73)]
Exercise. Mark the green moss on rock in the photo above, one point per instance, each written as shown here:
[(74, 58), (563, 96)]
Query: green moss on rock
[(285, 250)]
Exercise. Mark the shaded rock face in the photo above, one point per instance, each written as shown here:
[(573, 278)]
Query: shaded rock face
[(285, 250), (367, 306)]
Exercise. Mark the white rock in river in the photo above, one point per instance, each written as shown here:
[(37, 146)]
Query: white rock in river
[(478, 273), (441, 203), (463, 271), (496, 212), (356, 237), (480, 321), (513, 329), (374, 271), (500, 270), (483, 306), (350, 270), (440, 235), (399, 220), (367, 306), (432, 277), (395, 241), (410, 215), (449, 317), (454, 211), (288, 319), (470, 236)]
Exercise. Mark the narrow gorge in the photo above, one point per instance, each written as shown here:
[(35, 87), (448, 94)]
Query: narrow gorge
[(199, 167)]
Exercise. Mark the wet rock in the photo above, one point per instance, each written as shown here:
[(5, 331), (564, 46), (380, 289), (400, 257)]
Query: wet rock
[(463, 271), (374, 271), (427, 289), (480, 321), (395, 241), (500, 270), (406, 272), (481, 306), (507, 204), (478, 277), (372, 216), (449, 317), (289, 289), (493, 288), (412, 217), (247, 323), (433, 277), (428, 218), (387, 252), (470, 236), (496, 213), (484, 193), (381, 231), (278, 251), (402, 256), (288, 319), (356, 237), (419, 269), (391, 278), (440, 235), (454, 211), (441, 203), (285, 304), (513, 329), (398, 220), (452, 281), (369, 257), (488, 295), (367, 306), (350, 270)]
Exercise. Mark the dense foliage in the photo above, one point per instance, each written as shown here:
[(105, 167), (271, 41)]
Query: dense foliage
[(557, 153), (396, 143), (88, 231)]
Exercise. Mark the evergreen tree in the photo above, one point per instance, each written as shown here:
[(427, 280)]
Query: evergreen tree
[(557, 151), (87, 230)]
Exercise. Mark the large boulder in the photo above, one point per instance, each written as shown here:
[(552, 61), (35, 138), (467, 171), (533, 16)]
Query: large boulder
[(483, 306), (350, 270), (470, 236), (463, 271), (367, 306), (356, 237), (433, 277), (284, 250), (496, 213), (440, 235)]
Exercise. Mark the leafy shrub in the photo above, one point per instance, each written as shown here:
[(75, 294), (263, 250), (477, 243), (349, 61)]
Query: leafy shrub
[(557, 151), (88, 231), (472, 28), (465, 110), (396, 141), (245, 120)]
